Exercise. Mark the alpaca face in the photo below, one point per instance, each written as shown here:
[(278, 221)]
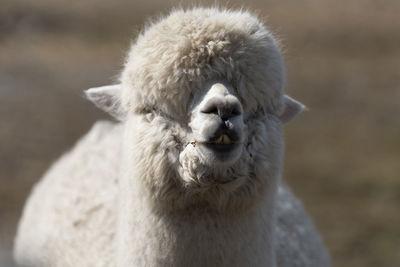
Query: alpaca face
[(218, 150), (204, 93), (217, 126)]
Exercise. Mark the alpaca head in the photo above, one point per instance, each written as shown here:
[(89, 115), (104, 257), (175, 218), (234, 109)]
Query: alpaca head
[(205, 87)]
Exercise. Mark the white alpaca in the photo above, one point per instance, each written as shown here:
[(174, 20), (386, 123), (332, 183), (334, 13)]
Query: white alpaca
[(191, 174)]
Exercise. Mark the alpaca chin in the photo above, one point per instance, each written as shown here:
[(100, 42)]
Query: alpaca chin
[(197, 170)]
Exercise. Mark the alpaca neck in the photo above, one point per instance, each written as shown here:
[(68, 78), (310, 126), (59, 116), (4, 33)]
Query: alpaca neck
[(148, 235), (193, 237)]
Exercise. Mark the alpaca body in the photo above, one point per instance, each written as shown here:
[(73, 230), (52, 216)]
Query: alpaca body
[(191, 176), (71, 217)]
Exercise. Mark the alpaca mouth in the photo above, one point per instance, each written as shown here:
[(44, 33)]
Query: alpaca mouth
[(224, 139), (223, 144)]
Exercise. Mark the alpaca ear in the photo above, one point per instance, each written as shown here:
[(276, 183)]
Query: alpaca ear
[(108, 99), (291, 108)]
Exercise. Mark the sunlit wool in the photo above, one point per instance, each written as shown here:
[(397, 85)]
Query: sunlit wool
[(147, 192)]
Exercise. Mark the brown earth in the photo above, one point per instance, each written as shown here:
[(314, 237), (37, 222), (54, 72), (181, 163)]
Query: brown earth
[(343, 61)]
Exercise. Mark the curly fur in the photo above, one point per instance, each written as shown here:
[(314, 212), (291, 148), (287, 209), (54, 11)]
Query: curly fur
[(175, 56), (144, 192)]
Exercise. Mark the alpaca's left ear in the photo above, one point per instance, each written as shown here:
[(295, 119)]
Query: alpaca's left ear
[(108, 99), (291, 108)]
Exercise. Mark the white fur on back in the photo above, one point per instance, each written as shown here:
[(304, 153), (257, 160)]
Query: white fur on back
[(70, 217)]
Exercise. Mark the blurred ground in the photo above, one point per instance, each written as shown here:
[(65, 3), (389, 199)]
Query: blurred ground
[(343, 61)]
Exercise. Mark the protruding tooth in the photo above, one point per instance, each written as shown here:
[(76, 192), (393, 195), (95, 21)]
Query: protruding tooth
[(223, 139), (226, 139)]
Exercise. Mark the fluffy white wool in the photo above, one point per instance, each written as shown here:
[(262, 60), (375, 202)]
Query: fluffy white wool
[(175, 56), (145, 191)]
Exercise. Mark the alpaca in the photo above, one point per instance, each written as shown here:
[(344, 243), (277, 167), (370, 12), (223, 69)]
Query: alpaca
[(191, 173)]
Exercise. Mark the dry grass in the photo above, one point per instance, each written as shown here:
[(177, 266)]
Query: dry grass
[(343, 156)]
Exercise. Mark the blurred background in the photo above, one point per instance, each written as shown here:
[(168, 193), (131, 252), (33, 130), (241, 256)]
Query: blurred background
[(343, 62)]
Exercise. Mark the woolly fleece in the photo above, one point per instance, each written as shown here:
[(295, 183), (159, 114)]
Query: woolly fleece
[(133, 193)]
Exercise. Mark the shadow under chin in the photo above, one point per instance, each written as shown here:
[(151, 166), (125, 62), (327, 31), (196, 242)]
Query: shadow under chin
[(219, 155)]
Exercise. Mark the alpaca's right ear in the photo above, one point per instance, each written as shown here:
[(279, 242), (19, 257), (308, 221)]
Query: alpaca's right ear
[(108, 99)]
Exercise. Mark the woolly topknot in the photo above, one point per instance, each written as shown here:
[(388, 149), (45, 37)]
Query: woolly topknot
[(173, 58)]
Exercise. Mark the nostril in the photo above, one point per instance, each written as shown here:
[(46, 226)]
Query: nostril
[(236, 111), (211, 107), (227, 116), (230, 112), (210, 110)]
